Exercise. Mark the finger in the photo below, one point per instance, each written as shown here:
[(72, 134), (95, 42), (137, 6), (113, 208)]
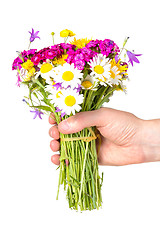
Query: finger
[(54, 145), (54, 133), (55, 159), (52, 119), (83, 120)]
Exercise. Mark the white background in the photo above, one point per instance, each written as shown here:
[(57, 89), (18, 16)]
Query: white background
[(28, 179)]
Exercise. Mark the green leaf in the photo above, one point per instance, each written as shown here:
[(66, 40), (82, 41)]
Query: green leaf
[(46, 108), (85, 73)]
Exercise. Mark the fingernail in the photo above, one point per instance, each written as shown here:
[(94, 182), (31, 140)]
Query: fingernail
[(65, 124)]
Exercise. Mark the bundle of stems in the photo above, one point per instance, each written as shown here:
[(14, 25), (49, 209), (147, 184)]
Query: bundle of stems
[(79, 172)]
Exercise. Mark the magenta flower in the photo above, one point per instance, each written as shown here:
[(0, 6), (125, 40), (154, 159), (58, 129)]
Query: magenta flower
[(132, 57), (37, 113), (18, 80), (33, 35)]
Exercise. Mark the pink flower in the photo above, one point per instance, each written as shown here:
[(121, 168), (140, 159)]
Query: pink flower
[(18, 80), (36, 58), (79, 64)]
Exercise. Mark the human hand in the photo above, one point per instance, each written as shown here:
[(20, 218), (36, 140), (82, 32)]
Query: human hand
[(125, 139)]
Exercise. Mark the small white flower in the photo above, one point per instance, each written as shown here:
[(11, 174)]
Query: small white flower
[(68, 75), (68, 100), (100, 67), (115, 76), (89, 83)]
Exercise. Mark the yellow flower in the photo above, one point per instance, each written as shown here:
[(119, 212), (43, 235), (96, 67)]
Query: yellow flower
[(61, 60), (117, 64), (66, 33), (71, 34), (28, 65), (80, 43), (30, 74)]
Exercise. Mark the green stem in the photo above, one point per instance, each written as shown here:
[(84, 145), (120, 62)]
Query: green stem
[(82, 177)]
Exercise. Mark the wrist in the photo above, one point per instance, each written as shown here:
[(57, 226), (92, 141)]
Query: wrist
[(151, 140)]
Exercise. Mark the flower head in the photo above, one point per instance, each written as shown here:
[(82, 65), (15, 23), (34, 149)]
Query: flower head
[(68, 100), (68, 75), (132, 57), (37, 113), (33, 35), (66, 33)]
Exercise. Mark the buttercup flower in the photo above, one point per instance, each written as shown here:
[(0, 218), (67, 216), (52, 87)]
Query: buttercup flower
[(46, 72)]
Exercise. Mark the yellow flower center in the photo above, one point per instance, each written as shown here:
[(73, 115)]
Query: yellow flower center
[(57, 94), (112, 74), (70, 101), (46, 67), (86, 84), (67, 76), (99, 69)]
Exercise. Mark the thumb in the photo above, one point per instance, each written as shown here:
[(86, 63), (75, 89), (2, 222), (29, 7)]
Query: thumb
[(86, 119)]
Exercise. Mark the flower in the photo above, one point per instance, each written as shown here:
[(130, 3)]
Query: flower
[(80, 43), (28, 65), (46, 72), (33, 35), (18, 80), (89, 83), (61, 60), (100, 68), (37, 113), (132, 57), (66, 33), (67, 75), (114, 76), (68, 100)]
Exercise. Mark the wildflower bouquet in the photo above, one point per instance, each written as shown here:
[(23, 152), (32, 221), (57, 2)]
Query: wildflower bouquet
[(67, 78)]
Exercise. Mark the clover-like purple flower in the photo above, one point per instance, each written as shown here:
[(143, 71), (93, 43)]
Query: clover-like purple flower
[(33, 35), (132, 57), (37, 113)]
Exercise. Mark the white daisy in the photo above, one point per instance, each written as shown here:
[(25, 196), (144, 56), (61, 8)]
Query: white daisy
[(46, 71), (114, 76), (68, 100), (89, 83), (54, 94), (68, 75), (100, 67)]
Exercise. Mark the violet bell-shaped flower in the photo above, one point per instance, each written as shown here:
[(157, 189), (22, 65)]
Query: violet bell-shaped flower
[(33, 35), (132, 57), (37, 113)]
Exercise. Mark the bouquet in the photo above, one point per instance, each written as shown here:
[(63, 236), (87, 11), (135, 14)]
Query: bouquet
[(67, 78)]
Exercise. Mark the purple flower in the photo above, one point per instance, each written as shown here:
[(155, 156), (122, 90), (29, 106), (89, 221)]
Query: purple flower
[(116, 58), (78, 88), (57, 85), (59, 110), (132, 57), (33, 35), (63, 114), (37, 113)]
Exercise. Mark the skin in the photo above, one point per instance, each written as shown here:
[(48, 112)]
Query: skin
[(125, 138)]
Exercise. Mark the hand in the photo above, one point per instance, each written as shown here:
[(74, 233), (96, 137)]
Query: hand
[(125, 139)]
